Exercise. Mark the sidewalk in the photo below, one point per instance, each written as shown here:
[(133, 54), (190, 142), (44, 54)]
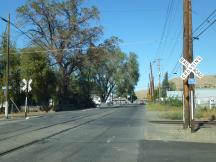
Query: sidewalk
[(21, 115), (175, 132)]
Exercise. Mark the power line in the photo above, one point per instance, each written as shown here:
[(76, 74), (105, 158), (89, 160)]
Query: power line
[(168, 11), (206, 20), (171, 21), (204, 30), (205, 25), (21, 31), (130, 10)]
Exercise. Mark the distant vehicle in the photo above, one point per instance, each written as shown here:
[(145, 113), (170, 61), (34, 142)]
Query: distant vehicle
[(97, 101), (142, 102)]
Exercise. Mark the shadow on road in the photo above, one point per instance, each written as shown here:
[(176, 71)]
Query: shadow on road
[(168, 151)]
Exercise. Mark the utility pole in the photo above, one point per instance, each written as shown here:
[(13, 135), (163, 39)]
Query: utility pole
[(152, 81), (159, 76), (7, 69), (188, 55), (150, 85), (149, 93)]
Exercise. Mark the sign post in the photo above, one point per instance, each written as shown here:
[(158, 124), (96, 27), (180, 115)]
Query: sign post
[(191, 68), (26, 88)]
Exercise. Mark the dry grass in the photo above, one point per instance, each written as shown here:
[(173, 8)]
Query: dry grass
[(204, 114), (162, 107), (167, 111), (175, 113)]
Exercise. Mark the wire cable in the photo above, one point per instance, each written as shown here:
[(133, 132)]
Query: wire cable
[(206, 20)]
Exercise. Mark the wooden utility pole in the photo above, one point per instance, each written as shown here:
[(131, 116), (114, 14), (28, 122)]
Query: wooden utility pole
[(149, 93), (159, 76), (150, 85), (188, 55), (7, 69), (152, 81)]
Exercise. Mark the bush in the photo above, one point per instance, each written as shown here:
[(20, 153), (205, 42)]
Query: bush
[(176, 115), (172, 102)]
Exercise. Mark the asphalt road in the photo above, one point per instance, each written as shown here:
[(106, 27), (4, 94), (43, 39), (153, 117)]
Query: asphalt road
[(96, 135)]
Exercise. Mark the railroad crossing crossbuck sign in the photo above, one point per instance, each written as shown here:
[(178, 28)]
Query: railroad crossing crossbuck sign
[(191, 67), (27, 85)]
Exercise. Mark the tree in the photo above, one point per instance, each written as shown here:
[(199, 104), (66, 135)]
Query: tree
[(109, 70), (130, 77), (64, 28), (105, 67), (165, 85), (172, 86), (34, 65), (14, 75)]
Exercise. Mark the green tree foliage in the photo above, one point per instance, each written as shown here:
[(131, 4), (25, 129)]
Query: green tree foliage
[(156, 94), (107, 67), (130, 77), (3, 49), (110, 70), (64, 28), (166, 85), (14, 77), (34, 65), (60, 32), (172, 86)]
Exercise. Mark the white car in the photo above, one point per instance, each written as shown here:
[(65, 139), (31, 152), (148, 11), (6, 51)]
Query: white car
[(97, 101)]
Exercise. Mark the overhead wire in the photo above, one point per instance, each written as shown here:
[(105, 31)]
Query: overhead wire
[(204, 30), (168, 11), (200, 27), (169, 30), (206, 20), (130, 10), (21, 31), (171, 45)]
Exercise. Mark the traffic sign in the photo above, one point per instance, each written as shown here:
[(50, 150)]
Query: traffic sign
[(27, 85), (191, 81), (191, 67)]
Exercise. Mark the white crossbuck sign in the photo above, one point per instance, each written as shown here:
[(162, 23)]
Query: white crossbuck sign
[(191, 67), (27, 85)]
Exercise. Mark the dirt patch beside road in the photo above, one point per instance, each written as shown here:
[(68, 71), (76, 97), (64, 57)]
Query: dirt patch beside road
[(175, 132)]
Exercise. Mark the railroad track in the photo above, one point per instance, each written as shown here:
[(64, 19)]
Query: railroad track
[(74, 118), (36, 140)]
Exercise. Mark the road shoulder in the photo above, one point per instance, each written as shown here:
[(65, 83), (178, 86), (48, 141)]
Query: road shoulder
[(175, 132)]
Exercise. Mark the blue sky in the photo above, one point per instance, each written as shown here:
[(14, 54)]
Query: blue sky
[(140, 23)]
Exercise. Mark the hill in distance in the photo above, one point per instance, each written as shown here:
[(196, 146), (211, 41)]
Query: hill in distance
[(208, 81)]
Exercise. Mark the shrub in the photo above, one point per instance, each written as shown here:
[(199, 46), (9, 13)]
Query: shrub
[(172, 102)]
